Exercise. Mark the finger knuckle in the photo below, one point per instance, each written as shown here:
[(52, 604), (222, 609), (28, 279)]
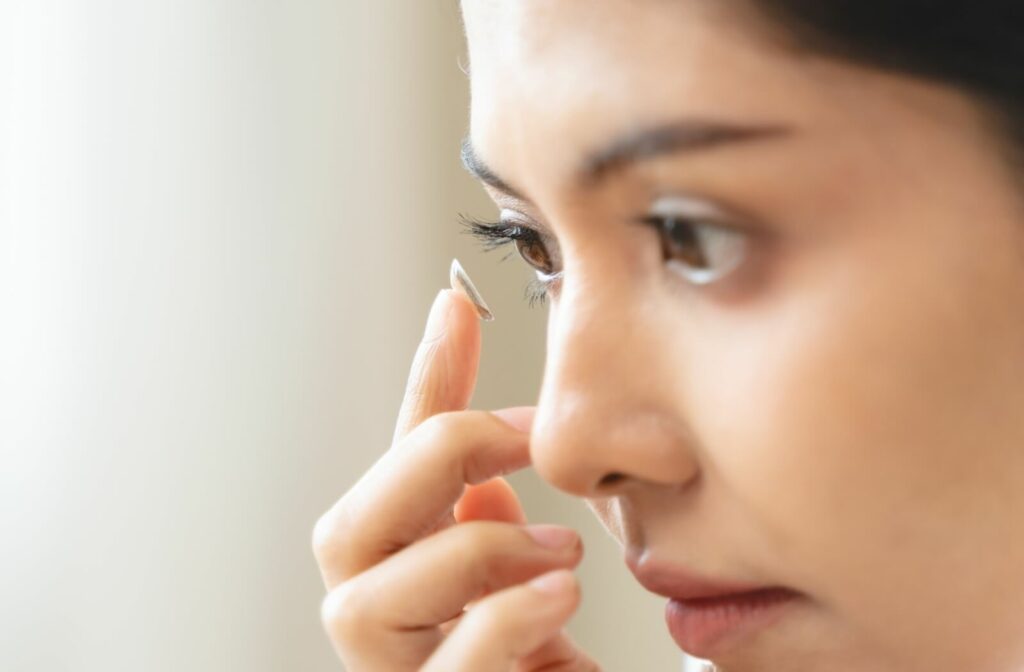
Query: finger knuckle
[(485, 551), (456, 432), (443, 427), (574, 661), (343, 613), (491, 619), (323, 539), (329, 533), (477, 538)]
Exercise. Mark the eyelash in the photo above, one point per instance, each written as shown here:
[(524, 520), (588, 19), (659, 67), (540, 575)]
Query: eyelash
[(718, 244), (493, 235)]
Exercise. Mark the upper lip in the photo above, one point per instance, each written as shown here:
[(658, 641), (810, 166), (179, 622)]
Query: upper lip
[(675, 582)]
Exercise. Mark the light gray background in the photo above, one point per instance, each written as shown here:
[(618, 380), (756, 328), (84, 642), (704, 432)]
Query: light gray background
[(222, 225)]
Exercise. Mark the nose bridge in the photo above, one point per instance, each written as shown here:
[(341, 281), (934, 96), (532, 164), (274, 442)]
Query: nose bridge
[(606, 338), (607, 414), (591, 325)]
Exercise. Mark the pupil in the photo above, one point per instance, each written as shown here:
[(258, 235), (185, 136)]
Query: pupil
[(681, 242)]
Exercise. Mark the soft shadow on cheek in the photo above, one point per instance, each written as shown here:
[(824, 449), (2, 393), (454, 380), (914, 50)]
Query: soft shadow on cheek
[(758, 412)]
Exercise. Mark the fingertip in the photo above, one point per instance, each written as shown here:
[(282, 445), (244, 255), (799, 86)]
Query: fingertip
[(461, 282), (463, 299), (464, 312), (437, 319), (557, 583), (451, 310), (493, 499), (518, 417), (511, 624), (430, 380)]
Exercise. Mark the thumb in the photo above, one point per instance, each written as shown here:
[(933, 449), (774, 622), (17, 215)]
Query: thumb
[(444, 369), (491, 500)]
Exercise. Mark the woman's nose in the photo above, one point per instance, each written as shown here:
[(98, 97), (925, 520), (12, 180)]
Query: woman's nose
[(608, 417)]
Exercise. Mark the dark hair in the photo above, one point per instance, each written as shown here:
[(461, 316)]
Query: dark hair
[(975, 45)]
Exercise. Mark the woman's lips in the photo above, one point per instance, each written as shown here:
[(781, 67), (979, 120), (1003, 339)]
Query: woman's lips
[(702, 613), (702, 626)]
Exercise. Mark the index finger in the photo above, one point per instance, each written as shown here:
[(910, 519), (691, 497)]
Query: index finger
[(411, 490), (444, 369)]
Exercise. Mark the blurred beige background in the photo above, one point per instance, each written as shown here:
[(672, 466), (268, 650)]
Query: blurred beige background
[(222, 226)]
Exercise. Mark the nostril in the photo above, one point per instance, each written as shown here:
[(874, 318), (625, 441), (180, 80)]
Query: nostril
[(610, 479)]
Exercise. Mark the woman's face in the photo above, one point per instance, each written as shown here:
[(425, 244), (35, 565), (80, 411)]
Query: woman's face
[(842, 412)]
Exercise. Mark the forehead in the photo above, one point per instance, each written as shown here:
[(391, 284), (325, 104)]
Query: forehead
[(553, 79)]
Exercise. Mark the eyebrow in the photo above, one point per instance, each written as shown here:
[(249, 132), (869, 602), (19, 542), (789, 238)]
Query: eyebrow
[(633, 147)]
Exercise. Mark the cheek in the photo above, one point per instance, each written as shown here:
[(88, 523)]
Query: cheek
[(871, 417)]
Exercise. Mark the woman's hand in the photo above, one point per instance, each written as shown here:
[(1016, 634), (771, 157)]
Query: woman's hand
[(400, 571)]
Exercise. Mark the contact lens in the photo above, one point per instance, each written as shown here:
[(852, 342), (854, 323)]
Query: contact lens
[(460, 282)]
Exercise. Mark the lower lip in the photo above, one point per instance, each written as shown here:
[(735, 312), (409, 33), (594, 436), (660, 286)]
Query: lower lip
[(701, 626)]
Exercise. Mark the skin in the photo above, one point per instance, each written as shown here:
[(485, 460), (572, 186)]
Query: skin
[(840, 415), (433, 518)]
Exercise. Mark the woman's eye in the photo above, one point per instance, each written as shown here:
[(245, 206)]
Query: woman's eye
[(531, 246), (698, 248), (533, 251)]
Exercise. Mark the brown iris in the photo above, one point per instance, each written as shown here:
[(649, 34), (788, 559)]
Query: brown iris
[(679, 240), (532, 250)]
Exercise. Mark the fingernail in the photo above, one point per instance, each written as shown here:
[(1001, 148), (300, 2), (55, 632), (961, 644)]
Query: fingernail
[(553, 583), (552, 536), (437, 322), (518, 417), (461, 283)]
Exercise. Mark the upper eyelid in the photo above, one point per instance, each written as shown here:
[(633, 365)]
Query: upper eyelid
[(519, 219), (514, 217), (689, 207), (721, 214)]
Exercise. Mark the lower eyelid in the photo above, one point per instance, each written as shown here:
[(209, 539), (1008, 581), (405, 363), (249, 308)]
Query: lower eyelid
[(551, 283)]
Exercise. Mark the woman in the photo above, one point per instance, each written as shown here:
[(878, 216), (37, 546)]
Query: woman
[(783, 243)]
